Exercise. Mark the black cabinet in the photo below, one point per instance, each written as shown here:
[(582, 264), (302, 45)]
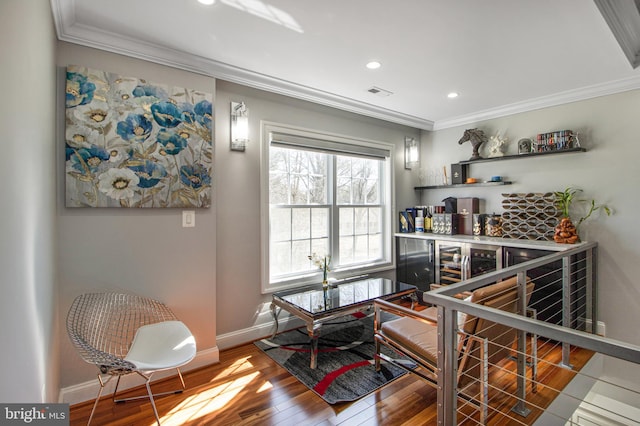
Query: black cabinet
[(415, 262)]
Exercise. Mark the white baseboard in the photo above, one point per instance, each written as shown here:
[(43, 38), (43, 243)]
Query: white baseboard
[(585, 324), (601, 328), (251, 334), (88, 390)]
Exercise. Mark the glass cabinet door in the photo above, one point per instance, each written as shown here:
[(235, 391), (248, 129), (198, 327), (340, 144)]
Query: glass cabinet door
[(449, 261), (484, 259)]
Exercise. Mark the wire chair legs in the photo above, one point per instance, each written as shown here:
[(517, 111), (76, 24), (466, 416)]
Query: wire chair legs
[(149, 394)]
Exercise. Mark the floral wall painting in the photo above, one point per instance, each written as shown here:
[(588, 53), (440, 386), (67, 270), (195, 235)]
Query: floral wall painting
[(132, 143)]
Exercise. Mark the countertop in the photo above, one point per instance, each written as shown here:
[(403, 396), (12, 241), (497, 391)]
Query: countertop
[(505, 242)]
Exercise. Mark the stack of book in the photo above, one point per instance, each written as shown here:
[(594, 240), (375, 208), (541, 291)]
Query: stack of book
[(554, 141)]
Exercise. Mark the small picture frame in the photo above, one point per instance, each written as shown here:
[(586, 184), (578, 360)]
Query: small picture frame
[(524, 146)]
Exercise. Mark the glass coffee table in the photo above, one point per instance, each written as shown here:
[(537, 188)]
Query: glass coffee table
[(316, 305)]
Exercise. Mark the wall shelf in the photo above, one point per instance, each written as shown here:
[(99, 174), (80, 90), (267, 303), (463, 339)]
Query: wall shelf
[(463, 185), (521, 156), (504, 157)]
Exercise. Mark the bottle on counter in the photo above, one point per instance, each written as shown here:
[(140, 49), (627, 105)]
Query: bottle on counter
[(420, 219), (428, 219)]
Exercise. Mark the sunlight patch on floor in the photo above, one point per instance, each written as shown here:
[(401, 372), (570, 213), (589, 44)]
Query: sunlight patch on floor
[(238, 366), (267, 386), (206, 402)]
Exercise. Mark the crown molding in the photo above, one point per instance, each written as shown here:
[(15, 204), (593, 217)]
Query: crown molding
[(70, 31), (584, 93)]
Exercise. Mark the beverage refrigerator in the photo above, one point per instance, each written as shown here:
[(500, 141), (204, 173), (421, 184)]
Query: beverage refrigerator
[(460, 261)]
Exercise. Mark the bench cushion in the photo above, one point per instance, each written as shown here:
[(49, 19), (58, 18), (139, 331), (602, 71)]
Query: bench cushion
[(418, 337)]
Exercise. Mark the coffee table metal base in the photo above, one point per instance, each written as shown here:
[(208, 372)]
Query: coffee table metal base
[(314, 321)]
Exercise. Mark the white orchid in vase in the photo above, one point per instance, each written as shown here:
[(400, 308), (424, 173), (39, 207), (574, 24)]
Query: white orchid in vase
[(322, 262)]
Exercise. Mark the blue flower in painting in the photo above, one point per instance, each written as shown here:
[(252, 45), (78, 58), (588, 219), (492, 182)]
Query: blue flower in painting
[(172, 142), (149, 90), (79, 90), (68, 152), (204, 111), (188, 115), (166, 114), (195, 176), (89, 159), (136, 127), (149, 173)]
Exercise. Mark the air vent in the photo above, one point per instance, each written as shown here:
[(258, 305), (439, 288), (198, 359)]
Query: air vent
[(379, 92)]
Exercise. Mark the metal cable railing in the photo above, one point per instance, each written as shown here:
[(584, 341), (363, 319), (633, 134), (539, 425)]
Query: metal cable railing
[(551, 375)]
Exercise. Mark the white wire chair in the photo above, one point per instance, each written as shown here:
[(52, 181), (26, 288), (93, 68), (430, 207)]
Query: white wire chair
[(125, 334)]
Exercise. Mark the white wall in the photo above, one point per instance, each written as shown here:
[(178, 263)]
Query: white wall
[(608, 172), (28, 314), (241, 307), (144, 251)]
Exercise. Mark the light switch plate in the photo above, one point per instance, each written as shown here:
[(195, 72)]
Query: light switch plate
[(188, 218)]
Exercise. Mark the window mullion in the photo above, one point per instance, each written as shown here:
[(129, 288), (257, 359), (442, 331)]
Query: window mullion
[(334, 222)]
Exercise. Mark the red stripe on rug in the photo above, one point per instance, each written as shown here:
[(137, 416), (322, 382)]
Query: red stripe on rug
[(326, 381), (290, 348)]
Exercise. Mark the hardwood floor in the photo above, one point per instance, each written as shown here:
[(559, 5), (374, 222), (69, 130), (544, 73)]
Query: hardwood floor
[(248, 388)]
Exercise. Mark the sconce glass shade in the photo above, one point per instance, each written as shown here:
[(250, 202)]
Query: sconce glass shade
[(411, 153), (239, 126)]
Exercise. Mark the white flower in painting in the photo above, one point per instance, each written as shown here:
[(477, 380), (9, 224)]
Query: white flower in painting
[(118, 155), (95, 114), (81, 136), (118, 183)]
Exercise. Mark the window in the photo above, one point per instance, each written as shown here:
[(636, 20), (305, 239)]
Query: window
[(327, 195)]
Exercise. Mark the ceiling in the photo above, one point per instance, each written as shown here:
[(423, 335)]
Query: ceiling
[(501, 56)]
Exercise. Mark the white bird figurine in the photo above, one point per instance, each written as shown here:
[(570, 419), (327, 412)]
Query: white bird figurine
[(497, 145)]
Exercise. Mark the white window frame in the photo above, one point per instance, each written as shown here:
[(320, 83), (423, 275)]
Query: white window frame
[(387, 192)]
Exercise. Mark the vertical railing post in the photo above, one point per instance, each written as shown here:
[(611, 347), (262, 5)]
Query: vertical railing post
[(521, 359), (566, 307), (591, 328), (594, 289), (447, 367)]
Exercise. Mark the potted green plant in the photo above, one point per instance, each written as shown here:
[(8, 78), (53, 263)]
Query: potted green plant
[(566, 232)]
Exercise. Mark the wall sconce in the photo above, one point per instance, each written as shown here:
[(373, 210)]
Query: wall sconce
[(239, 126), (411, 153)]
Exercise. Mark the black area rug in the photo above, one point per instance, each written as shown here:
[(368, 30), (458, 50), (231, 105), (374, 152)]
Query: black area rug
[(345, 371)]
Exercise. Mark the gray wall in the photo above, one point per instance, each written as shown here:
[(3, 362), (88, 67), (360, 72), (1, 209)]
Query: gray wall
[(241, 306), (608, 172), (28, 313), (143, 251)]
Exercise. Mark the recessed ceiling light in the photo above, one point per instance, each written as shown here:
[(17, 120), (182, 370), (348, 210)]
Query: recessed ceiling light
[(373, 65), (207, 2), (452, 95)]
